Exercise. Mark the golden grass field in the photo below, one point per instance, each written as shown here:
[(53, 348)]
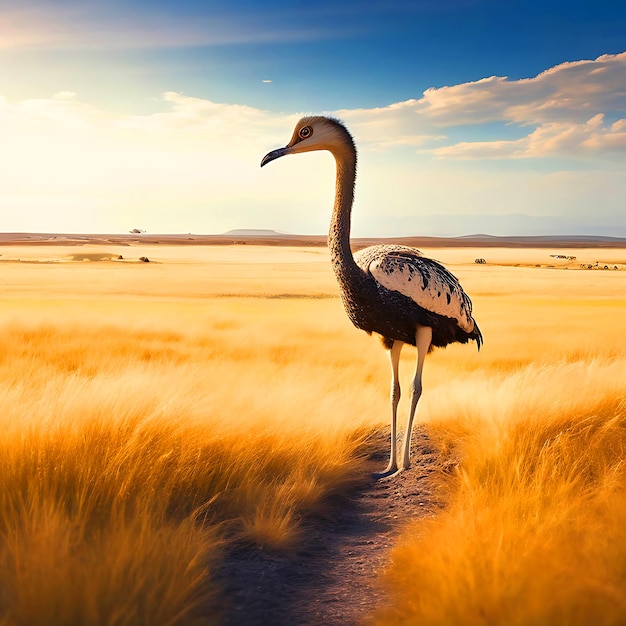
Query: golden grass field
[(153, 413)]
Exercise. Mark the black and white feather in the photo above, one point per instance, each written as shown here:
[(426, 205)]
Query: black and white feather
[(425, 281)]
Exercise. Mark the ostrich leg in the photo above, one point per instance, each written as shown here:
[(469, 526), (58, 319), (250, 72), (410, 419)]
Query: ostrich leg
[(394, 355), (423, 337)]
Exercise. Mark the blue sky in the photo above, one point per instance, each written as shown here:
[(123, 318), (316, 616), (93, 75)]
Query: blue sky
[(470, 115)]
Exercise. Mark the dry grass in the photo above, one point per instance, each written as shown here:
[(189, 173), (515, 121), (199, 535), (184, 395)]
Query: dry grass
[(121, 478), (535, 530), (151, 414), (145, 428)]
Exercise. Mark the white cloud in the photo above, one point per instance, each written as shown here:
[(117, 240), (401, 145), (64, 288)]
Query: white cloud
[(62, 111), (64, 95), (571, 92), (213, 121), (398, 124), (564, 107), (500, 149), (551, 139)]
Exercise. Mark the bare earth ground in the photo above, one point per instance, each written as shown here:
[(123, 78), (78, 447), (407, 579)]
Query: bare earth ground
[(271, 238), (333, 578)]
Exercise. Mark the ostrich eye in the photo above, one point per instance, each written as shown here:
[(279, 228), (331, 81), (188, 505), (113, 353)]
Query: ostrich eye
[(305, 132)]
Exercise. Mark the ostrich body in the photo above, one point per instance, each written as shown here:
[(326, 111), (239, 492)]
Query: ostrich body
[(391, 290)]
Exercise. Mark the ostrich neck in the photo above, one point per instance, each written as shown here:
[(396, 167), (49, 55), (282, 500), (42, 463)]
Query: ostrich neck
[(346, 270)]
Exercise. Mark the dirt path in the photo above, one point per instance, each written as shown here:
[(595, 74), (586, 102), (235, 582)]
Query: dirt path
[(333, 580)]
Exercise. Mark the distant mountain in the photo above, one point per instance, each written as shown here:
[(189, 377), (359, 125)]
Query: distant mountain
[(547, 238), (502, 225), (255, 232)]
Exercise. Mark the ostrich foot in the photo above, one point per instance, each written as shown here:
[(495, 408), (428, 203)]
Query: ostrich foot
[(390, 472)]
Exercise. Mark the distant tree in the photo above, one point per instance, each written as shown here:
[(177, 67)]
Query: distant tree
[(136, 231)]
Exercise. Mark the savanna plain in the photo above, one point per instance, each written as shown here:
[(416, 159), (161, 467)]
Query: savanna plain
[(156, 415)]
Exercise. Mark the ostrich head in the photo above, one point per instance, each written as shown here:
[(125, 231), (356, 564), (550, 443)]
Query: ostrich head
[(316, 133)]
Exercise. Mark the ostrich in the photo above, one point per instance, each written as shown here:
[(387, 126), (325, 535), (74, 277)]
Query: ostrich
[(387, 289)]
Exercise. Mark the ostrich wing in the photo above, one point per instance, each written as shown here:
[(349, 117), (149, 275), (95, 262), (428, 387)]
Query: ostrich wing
[(426, 282)]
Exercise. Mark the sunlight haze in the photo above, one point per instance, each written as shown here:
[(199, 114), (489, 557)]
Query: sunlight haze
[(469, 116)]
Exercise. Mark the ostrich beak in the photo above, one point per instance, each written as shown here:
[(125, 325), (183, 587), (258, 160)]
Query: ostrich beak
[(274, 154)]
